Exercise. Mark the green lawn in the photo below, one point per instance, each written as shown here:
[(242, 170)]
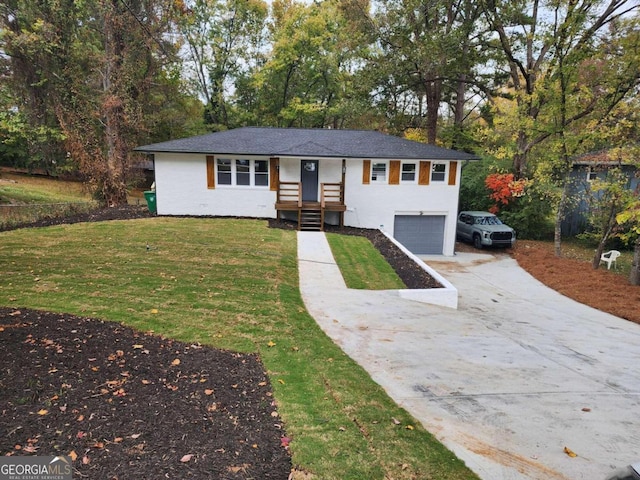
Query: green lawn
[(361, 264), (21, 189), (231, 284), (27, 198)]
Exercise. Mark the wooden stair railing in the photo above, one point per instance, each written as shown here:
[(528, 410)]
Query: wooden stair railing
[(290, 192)]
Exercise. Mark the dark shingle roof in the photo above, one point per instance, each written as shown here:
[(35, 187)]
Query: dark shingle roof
[(300, 142)]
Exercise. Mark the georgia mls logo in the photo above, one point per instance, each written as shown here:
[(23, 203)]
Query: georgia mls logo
[(35, 468)]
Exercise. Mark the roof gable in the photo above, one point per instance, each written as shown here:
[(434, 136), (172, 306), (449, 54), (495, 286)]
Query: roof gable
[(301, 142)]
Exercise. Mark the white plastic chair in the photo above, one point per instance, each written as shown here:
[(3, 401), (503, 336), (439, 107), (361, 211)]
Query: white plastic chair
[(609, 258)]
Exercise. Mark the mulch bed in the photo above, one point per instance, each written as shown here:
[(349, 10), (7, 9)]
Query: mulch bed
[(126, 405)]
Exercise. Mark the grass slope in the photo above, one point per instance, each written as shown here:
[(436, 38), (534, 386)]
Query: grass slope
[(232, 284), (21, 189)]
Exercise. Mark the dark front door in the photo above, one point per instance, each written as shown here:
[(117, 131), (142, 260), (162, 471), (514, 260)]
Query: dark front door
[(309, 179)]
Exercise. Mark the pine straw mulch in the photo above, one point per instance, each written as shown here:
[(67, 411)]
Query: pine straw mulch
[(576, 279)]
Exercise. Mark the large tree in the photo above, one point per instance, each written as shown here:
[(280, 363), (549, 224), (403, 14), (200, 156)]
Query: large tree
[(546, 43), (36, 41), (308, 77), (224, 41), (428, 56), (88, 69)]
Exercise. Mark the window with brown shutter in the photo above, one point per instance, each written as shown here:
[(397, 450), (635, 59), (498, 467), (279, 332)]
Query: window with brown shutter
[(394, 172), (366, 172), (453, 170), (211, 172), (424, 176)]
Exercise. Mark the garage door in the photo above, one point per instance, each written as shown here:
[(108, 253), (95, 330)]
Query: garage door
[(421, 234)]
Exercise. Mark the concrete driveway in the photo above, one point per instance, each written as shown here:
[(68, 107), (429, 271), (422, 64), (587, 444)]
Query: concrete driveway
[(508, 380)]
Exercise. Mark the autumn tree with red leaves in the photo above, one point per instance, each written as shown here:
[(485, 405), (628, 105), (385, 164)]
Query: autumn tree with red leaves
[(504, 189)]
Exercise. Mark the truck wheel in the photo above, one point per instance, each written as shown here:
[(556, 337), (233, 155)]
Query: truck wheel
[(477, 241)]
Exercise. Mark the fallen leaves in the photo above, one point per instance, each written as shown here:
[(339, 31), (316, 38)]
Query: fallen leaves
[(238, 469), (570, 452), (145, 370)]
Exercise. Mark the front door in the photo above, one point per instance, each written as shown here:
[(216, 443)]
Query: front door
[(309, 179)]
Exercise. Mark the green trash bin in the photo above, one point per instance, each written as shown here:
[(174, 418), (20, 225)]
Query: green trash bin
[(150, 196)]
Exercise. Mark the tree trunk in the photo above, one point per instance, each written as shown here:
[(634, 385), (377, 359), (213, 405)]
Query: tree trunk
[(557, 234), (461, 89), (114, 184), (634, 275), (433, 90), (606, 234), (459, 113), (520, 158)]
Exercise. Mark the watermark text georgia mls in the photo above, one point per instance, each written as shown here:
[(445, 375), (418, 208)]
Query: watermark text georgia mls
[(35, 468)]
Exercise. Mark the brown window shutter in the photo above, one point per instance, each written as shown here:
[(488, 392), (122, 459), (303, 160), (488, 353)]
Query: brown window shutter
[(366, 172), (425, 173), (274, 173), (453, 170), (394, 172), (211, 171)]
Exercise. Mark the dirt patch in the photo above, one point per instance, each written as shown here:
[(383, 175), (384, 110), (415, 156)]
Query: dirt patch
[(130, 405)]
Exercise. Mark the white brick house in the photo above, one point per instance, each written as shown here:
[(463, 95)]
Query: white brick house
[(315, 176)]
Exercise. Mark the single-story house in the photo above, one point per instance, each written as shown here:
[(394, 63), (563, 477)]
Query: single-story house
[(585, 169), (353, 178)]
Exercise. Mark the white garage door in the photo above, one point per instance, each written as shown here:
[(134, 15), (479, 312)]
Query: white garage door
[(421, 234)]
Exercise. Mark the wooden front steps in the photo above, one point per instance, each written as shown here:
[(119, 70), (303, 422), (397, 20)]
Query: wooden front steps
[(310, 220), (311, 215)]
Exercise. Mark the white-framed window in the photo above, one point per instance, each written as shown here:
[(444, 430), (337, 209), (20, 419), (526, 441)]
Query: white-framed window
[(408, 172), (592, 174), (438, 172), (242, 172), (379, 172), (261, 173), (224, 171)]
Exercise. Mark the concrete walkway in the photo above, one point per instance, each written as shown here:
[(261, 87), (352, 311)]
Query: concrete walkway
[(508, 380)]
